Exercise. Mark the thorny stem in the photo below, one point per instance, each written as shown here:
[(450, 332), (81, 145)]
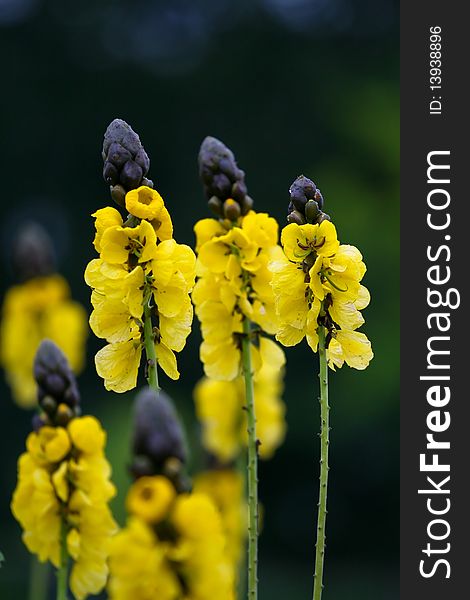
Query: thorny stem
[(62, 572), (324, 468), (149, 344), (252, 465)]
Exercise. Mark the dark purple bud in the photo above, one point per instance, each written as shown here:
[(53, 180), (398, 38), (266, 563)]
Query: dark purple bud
[(239, 191), (220, 186), (118, 155), (33, 252), (142, 160), (157, 430), (39, 421), (131, 175), (110, 173)]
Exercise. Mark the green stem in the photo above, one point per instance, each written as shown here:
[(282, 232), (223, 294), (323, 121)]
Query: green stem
[(252, 465), (149, 343), (62, 572), (242, 563), (324, 468), (39, 580)]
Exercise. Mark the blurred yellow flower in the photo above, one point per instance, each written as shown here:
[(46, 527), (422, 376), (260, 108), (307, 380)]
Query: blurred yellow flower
[(37, 309), (183, 557), (219, 408), (150, 498), (225, 488), (64, 475)]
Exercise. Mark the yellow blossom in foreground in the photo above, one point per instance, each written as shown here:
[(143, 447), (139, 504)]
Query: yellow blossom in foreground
[(319, 278), (139, 265), (225, 488), (219, 404), (234, 282), (64, 472), (37, 309), (183, 556)]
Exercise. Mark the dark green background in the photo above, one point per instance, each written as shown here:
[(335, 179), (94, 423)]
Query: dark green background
[(292, 86)]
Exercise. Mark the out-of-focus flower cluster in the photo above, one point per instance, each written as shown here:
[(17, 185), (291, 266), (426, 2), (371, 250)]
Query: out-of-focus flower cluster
[(36, 309), (219, 407), (226, 489), (140, 267), (172, 548), (64, 483)]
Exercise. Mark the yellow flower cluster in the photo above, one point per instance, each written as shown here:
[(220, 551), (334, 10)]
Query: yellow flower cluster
[(318, 277), (37, 309), (172, 548), (63, 484), (225, 488), (140, 267), (219, 408), (234, 282)]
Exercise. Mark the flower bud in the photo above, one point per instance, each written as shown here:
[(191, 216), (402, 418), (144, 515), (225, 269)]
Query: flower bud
[(125, 161), (231, 209), (323, 217), (118, 194), (56, 381), (216, 206), (306, 200), (49, 405), (64, 415), (158, 433), (33, 252), (312, 211), (220, 174), (296, 217)]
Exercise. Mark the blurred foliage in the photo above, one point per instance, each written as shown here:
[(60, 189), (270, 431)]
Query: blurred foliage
[(291, 86)]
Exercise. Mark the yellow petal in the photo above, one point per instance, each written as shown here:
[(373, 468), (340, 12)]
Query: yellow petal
[(118, 365), (167, 360), (144, 203)]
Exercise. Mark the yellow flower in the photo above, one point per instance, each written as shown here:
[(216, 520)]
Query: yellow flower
[(118, 364), (189, 564), (37, 309), (299, 241), (139, 265), (350, 347), (150, 498), (319, 277), (144, 203), (206, 229), (105, 218), (64, 475), (138, 566), (219, 407), (121, 244), (87, 435), (225, 488), (234, 282)]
